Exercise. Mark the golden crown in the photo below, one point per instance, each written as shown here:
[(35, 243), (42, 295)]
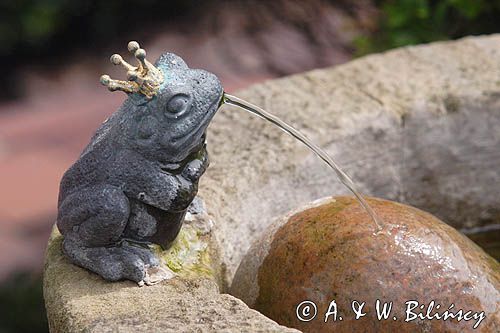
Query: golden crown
[(144, 79)]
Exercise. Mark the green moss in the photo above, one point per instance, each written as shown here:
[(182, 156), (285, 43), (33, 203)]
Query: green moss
[(189, 255), (410, 22)]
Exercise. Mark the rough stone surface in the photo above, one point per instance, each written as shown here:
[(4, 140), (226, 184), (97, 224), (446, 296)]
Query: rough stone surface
[(80, 301), (417, 125), (329, 250)]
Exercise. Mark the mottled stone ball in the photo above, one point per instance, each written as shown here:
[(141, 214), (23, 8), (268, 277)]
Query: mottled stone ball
[(331, 251)]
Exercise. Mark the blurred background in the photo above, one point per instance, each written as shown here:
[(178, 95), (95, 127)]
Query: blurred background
[(53, 52)]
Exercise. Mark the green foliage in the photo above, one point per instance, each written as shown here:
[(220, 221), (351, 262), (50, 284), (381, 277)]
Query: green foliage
[(21, 305), (45, 32), (28, 26), (409, 22)]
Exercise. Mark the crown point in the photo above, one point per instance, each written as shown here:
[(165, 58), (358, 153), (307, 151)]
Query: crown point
[(116, 59), (105, 79), (133, 46), (140, 54)]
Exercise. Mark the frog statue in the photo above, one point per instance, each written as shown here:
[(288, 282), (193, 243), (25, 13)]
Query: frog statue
[(134, 182)]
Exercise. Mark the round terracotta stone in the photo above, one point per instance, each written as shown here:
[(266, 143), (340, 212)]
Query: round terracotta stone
[(330, 251)]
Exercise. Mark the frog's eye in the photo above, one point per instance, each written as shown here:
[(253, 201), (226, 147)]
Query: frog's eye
[(178, 104)]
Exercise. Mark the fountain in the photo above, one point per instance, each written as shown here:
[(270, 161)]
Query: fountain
[(404, 124)]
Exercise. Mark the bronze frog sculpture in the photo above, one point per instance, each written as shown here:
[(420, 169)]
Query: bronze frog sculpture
[(136, 178)]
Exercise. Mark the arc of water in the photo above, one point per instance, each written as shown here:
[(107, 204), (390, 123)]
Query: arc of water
[(342, 176)]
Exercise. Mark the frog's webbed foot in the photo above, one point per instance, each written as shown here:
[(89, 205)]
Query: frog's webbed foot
[(145, 254), (154, 273), (112, 263), (122, 262)]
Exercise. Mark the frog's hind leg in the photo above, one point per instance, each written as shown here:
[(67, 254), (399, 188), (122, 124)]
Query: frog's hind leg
[(92, 222)]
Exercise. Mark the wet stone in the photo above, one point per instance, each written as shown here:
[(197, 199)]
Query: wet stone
[(329, 252)]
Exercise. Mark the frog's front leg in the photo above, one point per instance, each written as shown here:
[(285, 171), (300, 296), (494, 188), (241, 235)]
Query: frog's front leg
[(197, 167), (92, 222)]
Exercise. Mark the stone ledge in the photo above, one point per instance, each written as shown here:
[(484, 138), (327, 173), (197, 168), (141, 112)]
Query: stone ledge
[(77, 300)]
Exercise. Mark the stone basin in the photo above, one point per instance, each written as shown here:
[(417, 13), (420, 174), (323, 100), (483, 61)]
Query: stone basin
[(419, 125)]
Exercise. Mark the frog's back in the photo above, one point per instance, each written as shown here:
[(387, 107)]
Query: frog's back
[(92, 166)]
